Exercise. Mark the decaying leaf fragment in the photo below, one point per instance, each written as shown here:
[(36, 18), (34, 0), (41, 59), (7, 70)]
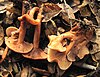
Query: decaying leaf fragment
[(85, 12), (95, 9), (50, 10), (3, 53), (96, 47), (1, 35), (67, 12)]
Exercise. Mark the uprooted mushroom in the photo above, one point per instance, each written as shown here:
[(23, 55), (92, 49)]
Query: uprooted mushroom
[(18, 44), (64, 55), (36, 53)]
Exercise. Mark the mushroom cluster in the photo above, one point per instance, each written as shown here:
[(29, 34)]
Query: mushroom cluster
[(63, 48), (65, 53), (18, 44), (15, 37)]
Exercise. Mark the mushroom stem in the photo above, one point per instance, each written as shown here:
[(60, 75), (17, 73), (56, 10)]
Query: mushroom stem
[(37, 30), (36, 53), (22, 28), (36, 36)]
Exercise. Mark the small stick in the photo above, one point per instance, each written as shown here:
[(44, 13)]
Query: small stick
[(86, 66), (41, 71)]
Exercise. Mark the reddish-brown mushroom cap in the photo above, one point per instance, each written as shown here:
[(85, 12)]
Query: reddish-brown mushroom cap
[(29, 16), (13, 44), (3, 53), (36, 54), (60, 58), (82, 52), (80, 43), (56, 41), (9, 30)]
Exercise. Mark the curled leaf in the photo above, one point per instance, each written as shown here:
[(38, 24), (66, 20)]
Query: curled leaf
[(50, 10)]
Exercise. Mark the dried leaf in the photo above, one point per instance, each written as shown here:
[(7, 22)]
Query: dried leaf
[(1, 35), (51, 68), (24, 72), (74, 2), (96, 46), (95, 9), (81, 76), (97, 56), (2, 9), (1, 51), (67, 12), (85, 12), (84, 3), (50, 10), (60, 72)]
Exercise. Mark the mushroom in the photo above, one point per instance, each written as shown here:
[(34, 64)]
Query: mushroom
[(10, 30), (19, 45), (56, 41), (80, 49), (56, 51), (60, 58), (76, 47), (36, 53), (77, 50), (3, 53), (29, 16)]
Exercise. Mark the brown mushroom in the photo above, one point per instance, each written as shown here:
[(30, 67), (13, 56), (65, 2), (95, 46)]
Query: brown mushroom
[(60, 58), (29, 16), (19, 45), (76, 50), (36, 53), (10, 29), (78, 42), (3, 53), (80, 49), (56, 41)]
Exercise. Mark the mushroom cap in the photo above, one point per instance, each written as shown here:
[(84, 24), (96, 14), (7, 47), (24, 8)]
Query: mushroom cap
[(13, 44), (79, 50), (56, 42), (36, 54), (60, 58), (9, 30), (3, 53), (82, 52)]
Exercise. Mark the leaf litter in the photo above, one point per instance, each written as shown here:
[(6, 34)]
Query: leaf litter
[(67, 32)]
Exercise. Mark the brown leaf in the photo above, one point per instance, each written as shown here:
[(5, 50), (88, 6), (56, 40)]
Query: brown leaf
[(1, 35), (95, 9), (67, 12), (24, 72), (74, 2), (84, 3), (85, 12), (50, 10)]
